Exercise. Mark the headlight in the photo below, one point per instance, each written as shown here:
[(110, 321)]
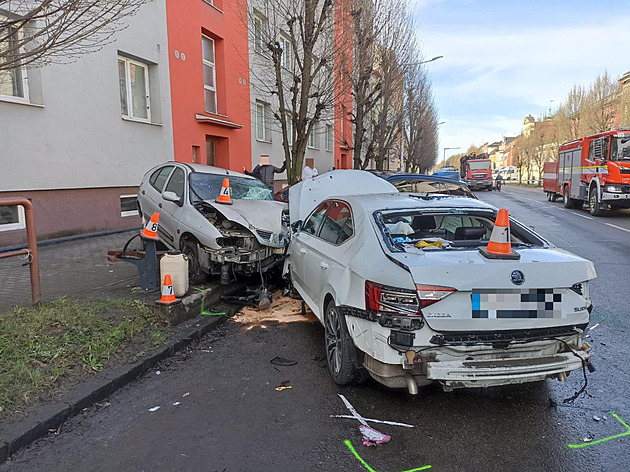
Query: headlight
[(613, 188)]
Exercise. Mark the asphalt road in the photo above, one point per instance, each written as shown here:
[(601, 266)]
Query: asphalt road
[(231, 418)]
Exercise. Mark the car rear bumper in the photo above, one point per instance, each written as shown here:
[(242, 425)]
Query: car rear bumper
[(492, 372)]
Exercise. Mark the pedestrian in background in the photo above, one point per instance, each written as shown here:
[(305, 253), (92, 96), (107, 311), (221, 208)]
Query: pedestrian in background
[(265, 171)]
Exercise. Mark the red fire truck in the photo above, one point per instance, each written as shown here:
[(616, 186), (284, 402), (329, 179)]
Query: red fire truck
[(594, 170), (476, 171)]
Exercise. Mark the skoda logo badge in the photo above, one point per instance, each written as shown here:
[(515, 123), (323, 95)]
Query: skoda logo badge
[(517, 277)]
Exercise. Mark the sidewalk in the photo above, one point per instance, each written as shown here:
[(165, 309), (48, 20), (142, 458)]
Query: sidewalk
[(78, 268)]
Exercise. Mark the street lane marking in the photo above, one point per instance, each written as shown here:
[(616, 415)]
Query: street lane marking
[(582, 216), (599, 441), (618, 227), (365, 464)]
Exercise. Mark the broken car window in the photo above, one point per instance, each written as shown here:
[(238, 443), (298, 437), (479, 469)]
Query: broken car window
[(429, 230), (207, 187)]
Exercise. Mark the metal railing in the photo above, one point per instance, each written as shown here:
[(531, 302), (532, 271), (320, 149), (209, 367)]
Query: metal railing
[(31, 251)]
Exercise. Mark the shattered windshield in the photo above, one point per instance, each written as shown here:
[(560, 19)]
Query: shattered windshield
[(207, 187), (422, 230), (620, 149)]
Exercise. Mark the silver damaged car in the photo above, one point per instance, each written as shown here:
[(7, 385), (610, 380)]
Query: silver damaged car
[(247, 237)]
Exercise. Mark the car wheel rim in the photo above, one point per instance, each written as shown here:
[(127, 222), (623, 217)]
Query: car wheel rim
[(333, 340), (592, 201)]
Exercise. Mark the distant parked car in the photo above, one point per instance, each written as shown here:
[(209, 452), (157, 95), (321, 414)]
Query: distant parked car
[(245, 237), (406, 296), (427, 184)]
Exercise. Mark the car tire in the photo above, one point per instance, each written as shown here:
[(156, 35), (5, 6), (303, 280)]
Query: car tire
[(338, 346), (597, 209), (195, 275), (568, 201)]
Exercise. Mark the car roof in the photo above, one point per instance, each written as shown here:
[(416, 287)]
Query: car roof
[(385, 201), (216, 170), (423, 177)]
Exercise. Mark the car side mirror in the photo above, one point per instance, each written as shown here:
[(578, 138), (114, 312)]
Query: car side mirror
[(172, 197), (297, 225)]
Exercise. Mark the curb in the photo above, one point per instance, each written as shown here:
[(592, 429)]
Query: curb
[(52, 416)]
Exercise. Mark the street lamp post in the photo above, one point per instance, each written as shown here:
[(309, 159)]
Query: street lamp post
[(444, 158)]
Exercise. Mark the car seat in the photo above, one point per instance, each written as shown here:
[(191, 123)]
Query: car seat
[(469, 233)]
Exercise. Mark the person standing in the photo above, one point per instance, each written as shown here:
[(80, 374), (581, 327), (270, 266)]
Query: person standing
[(265, 171)]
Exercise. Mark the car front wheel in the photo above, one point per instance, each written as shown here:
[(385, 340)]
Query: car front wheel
[(338, 346)]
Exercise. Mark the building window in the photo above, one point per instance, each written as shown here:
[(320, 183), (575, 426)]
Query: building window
[(133, 77), (313, 138), (259, 33), (343, 124), (329, 138), (209, 75), (13, 82), (128, 205), (263, 122), (11, 218), (286, 59)]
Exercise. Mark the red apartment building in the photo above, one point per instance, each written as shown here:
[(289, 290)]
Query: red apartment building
[(343, 87), (209, 72)]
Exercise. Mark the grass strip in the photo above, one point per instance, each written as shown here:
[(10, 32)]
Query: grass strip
[(53, 345)]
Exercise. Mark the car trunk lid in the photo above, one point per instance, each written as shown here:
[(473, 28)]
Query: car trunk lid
[(493, 294)]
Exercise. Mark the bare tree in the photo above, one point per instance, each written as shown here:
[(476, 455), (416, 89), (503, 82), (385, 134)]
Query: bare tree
[(296, 46), (421, 128), (599, 106), (569, 113), (384, 45), (57, 31)]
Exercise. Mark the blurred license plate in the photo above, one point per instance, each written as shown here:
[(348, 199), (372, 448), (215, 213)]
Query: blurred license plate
[(515, 303)]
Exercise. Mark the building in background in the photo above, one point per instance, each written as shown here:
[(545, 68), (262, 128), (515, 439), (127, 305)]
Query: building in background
[(77, 138), (209, 76)]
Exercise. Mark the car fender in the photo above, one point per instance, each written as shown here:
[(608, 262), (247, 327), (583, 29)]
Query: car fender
[(595, 180), (200, 227)]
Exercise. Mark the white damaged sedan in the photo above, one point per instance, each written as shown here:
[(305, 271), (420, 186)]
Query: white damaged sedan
[(406, 296)]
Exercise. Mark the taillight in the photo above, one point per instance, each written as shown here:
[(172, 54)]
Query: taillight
[(430, 294), (384, 299)]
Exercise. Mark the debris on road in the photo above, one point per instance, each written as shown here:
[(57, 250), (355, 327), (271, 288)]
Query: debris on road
[(372, 437), (588, 438), (158, 372), (186, 394), (177, 403), (282, 361), (372, 420), (284, 385), (593, 327), (155, 408), (281, 310)]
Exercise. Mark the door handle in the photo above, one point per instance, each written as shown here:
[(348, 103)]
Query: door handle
[(323, 265), (302, 251), (160, 205)]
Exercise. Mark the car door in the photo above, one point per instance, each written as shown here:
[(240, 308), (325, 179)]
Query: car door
[(301, 243), (321, 265), (170, 212)]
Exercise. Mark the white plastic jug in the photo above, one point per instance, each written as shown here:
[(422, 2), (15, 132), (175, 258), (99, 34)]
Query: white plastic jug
[(176, 265)]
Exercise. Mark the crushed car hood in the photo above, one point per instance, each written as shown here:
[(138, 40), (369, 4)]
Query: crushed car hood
[(306, 195), (265, 215)]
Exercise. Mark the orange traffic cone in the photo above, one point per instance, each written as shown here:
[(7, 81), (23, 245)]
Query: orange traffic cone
[(225, 196), (150, 230), (168, 294), (499, 246)]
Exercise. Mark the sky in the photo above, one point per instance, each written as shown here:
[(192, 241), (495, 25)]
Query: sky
[(506, 59)]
